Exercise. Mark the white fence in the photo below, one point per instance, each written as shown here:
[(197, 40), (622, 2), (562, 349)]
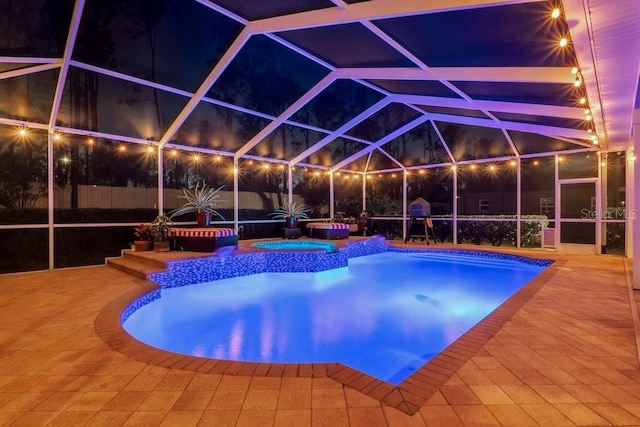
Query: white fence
[(93, 196)]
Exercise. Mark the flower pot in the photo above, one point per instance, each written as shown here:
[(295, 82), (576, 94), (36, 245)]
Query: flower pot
[(142, 245), (161, 246), (291, 222), (203, 218)]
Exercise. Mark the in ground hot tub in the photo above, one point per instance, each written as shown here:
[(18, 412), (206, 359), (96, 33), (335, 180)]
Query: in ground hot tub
[(287, 245)]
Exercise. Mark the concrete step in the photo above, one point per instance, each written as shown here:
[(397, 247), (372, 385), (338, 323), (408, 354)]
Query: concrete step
[(150, 258), (133, 266)]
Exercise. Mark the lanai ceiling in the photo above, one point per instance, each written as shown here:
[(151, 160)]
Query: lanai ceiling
[(342, 84)]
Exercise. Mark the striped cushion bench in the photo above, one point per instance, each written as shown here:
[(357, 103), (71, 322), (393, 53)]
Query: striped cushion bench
[(203, 239), (202, 232), (328, 230), (328, 225)]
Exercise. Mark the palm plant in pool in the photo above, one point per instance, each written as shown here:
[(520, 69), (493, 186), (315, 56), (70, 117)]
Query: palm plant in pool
[(291, 213), (203, 200)]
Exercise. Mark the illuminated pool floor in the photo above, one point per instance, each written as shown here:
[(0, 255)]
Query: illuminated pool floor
[(385, 315)]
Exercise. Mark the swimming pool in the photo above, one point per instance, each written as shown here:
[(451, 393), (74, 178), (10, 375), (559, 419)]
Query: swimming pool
[(385, 314), (296, 245)]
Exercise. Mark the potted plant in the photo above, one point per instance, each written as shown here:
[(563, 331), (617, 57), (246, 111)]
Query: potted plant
[(160, 228), (291, 213), (143, 238), (202, 200)]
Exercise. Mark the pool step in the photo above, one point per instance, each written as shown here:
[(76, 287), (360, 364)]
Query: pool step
[(135, 265), (149, 258)]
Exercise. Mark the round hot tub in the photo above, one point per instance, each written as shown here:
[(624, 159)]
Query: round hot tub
[(288, 245)]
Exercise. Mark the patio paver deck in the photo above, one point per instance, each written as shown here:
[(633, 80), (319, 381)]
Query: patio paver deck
[(566, 356)]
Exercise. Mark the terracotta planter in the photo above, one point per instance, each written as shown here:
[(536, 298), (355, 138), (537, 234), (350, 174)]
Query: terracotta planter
[(142, 245), (203, 219), (161, 246)]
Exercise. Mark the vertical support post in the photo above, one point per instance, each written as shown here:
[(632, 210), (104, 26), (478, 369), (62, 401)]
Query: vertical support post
[(630, 211), (331, 196), (518, 203), (556, 203), (364, 191), (633, 211), (404, 206), (290, 182), (160, 180), (455, 204), (50, 200), (236, 173), (604, 202), (600, 207)]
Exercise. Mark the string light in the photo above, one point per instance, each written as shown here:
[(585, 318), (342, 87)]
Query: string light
[(57, 136), (173, 152), (122, 148), (422, 172), (91, 141), (583, 101), (473, 167), (196, 157), (563, 42), (217, 158), (588, 117), (555, 13), (150, 149), (65, 159), (22, 131), (574, 70), (577, 82), (512, 163)]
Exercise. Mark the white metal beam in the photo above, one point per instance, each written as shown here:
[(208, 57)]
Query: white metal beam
[(495, 106), (342, 129), (29, 70), (375, 9), (219, 68), (29, 60), (223, 11), (396, 133), (442, 141), (523, 127), (303, 100), (129, 78), (468, 74), (66, 57)]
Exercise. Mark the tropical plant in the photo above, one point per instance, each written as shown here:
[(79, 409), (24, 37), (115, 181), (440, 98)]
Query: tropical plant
[(201, 199), (143, 232), (291, 211), (160, 228)]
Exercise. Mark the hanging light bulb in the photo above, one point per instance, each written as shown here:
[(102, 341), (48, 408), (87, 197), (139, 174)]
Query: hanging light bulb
[(563, 42), (555, 13), (574, 70), (583, 101)]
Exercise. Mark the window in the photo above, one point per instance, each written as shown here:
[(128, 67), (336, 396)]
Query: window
[(546, 206), (483, 205)]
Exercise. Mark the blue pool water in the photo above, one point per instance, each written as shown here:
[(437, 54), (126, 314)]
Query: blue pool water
[(296, 245), (385, 314)]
